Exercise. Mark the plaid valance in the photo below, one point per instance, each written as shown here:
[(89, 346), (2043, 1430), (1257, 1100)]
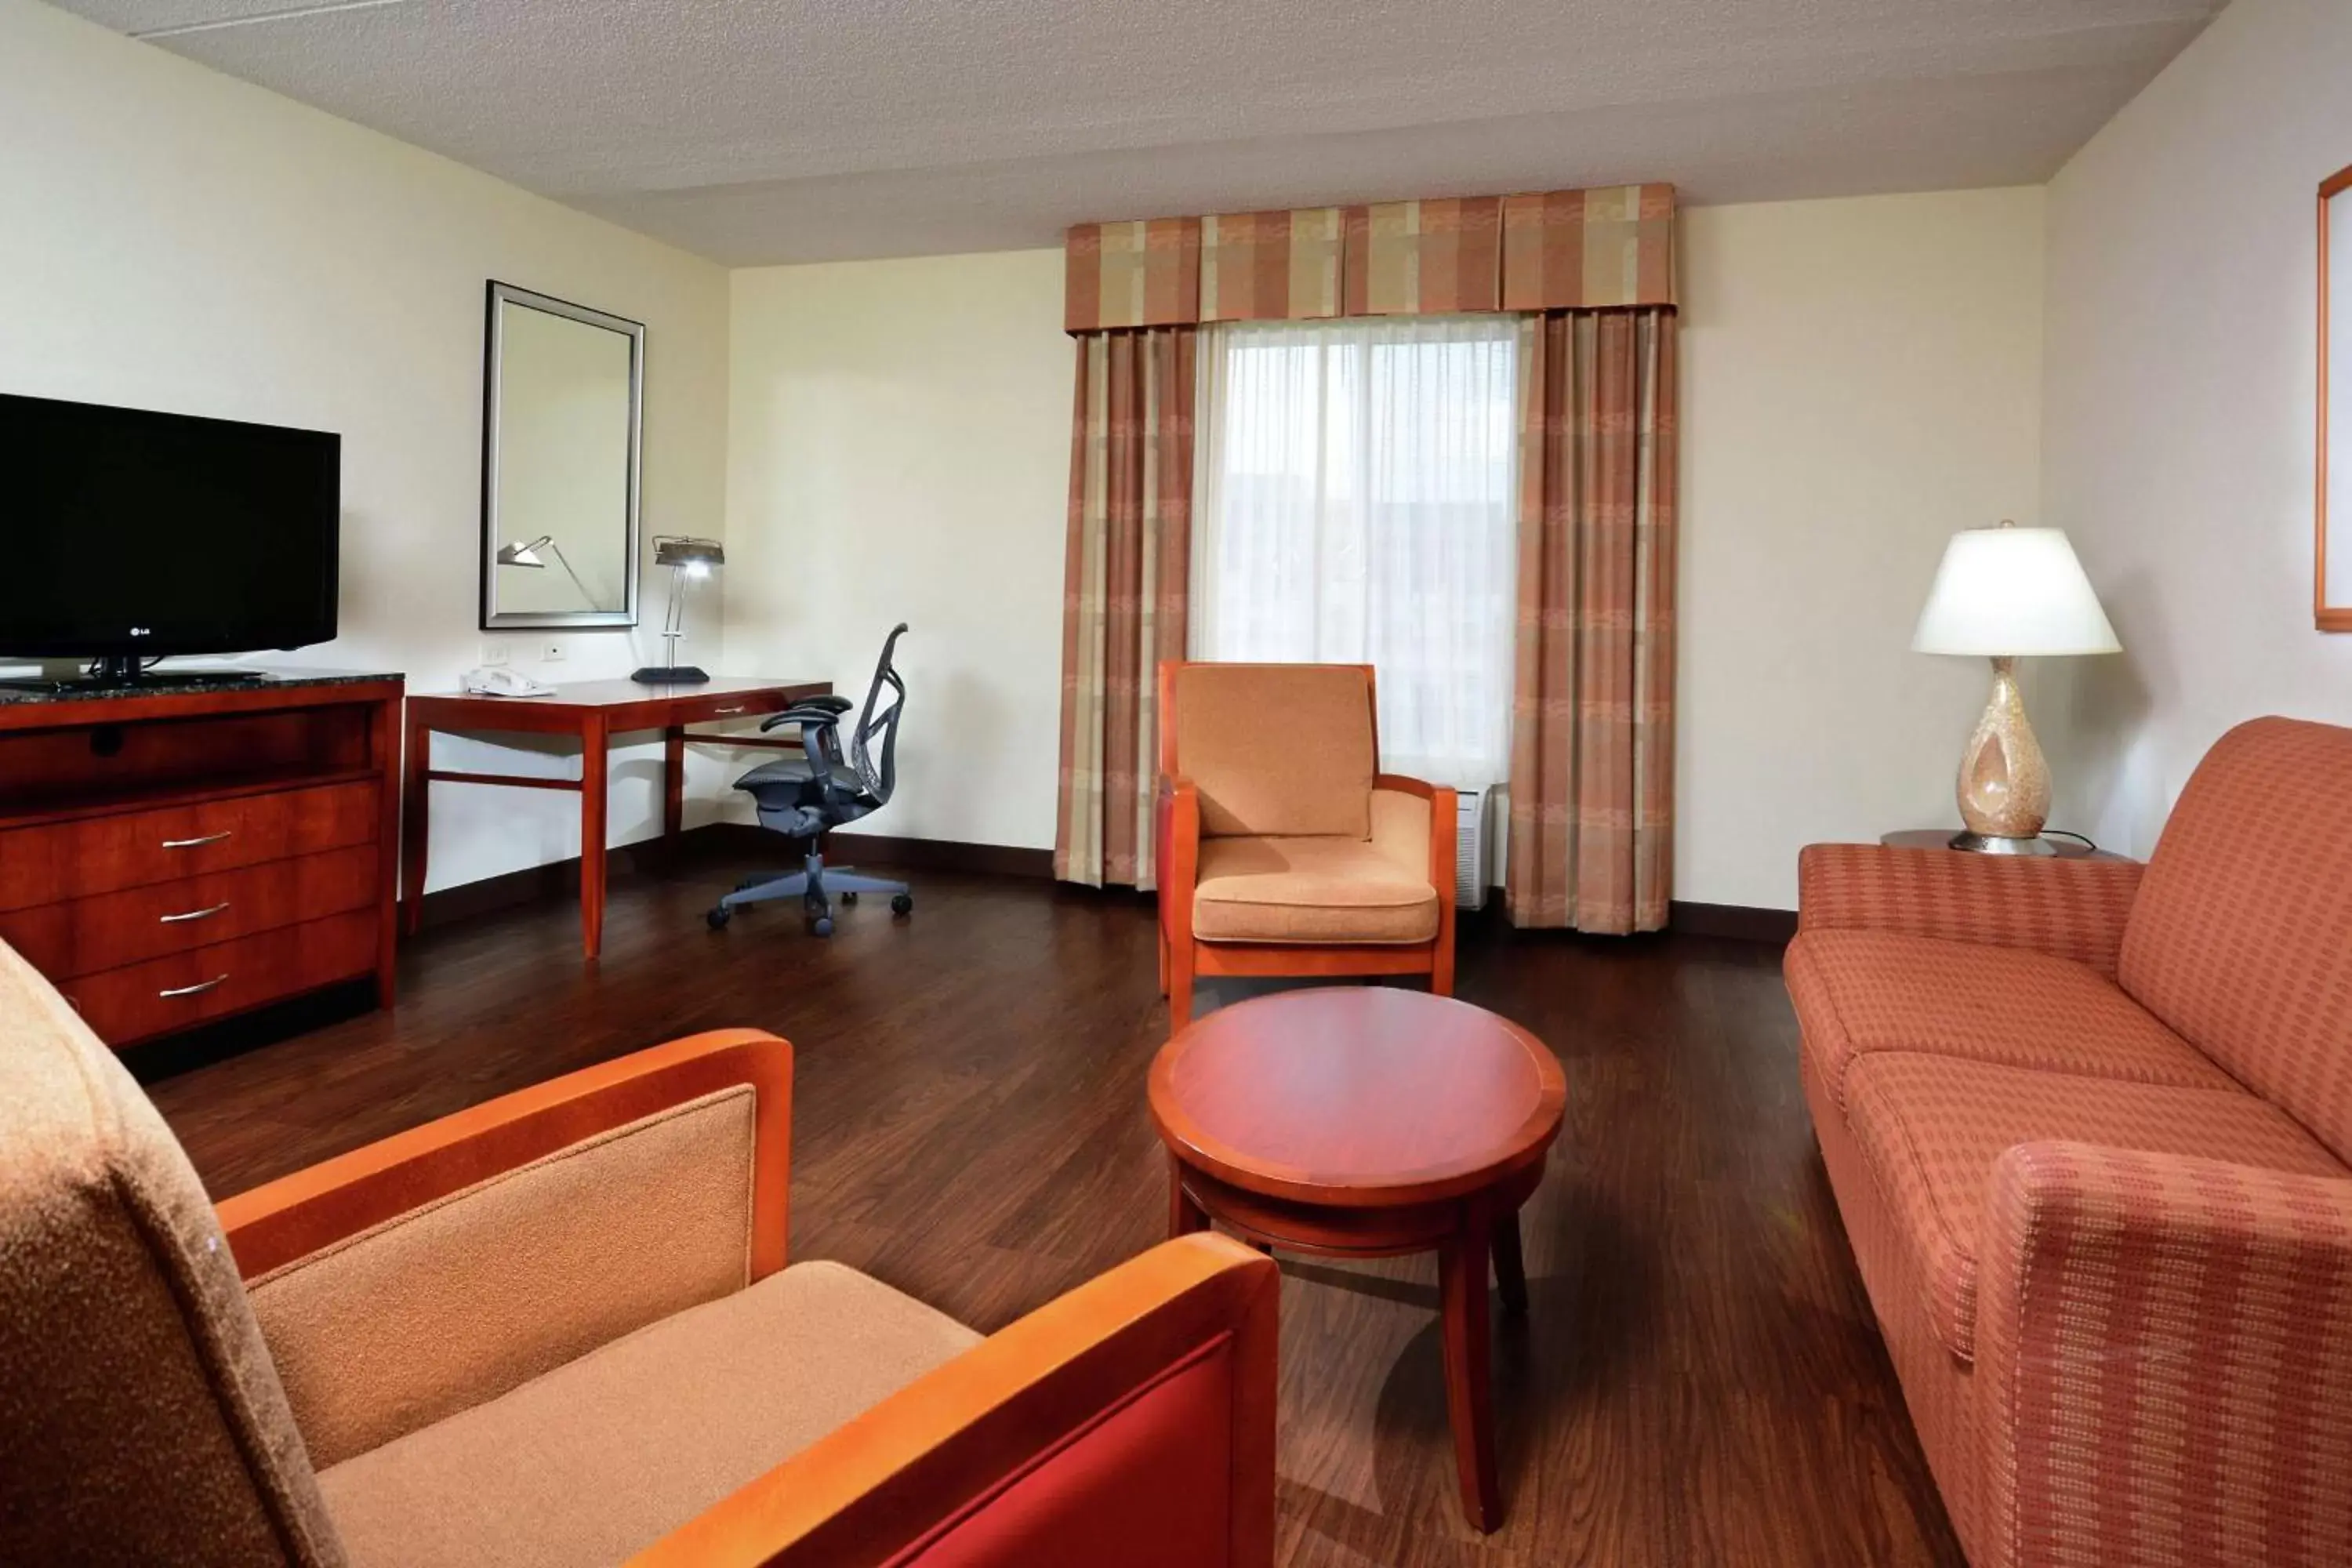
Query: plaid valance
[(1555, 250)]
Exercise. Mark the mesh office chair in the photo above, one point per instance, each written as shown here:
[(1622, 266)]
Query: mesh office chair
[(824, 787)]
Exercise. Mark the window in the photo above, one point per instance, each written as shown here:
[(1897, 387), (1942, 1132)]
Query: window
[(1355, 506)]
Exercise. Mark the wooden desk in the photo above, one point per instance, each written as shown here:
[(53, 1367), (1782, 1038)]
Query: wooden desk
[(596, 710)]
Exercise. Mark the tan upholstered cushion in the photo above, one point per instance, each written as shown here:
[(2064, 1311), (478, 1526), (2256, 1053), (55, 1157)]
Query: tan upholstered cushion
[(1277, 748), (1309, 889), (140, 1420), (457, 1302), (599, 1459)]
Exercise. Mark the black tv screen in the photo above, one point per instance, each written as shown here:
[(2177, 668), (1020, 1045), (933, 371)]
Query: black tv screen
[(124, 532)]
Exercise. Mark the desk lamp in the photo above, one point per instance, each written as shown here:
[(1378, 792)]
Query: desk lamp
[(689, 560), (2004, 594), (527, 554)]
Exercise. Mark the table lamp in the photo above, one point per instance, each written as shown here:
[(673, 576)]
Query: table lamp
[(2004, 594), (689, 560)]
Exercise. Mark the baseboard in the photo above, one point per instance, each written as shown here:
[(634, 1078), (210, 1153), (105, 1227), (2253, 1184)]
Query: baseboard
[(561, 878), (1739, 921), (941, 855)]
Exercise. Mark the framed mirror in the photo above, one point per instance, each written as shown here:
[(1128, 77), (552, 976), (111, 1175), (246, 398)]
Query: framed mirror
[(2332, 601), (563, 399)]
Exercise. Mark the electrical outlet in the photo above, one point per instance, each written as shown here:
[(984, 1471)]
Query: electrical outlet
[(496, 652), (552, 653)]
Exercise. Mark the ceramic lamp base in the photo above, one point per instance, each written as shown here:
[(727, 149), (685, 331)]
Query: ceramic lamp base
[(2004, 785)]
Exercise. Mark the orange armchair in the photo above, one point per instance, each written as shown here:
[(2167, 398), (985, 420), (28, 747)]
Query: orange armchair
[(560, 1328), (1282, 849)]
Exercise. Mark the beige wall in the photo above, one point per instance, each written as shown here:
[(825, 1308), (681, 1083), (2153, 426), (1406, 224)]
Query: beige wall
[(1861, 378), (899, 451), (172, 238), (2182, 375)]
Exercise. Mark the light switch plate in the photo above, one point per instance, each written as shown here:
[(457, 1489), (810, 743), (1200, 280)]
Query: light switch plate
[(496, 652)]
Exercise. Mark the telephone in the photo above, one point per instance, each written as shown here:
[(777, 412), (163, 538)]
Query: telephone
[(497, 681)]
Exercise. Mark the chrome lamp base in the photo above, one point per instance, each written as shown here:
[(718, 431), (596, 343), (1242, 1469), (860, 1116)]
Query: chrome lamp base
[(2002, 844)]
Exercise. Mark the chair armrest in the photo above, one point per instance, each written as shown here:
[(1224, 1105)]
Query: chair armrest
[(1438, 823), (1176, 853), (2169, 1335), (425, 1274), (1128, 1421), (2073, 908)]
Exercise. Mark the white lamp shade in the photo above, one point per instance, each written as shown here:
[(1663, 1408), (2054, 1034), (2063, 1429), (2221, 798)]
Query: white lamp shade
[(2007, 592)]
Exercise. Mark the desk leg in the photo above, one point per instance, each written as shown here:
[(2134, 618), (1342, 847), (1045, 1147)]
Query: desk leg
[(673, 782), (415, 813), (592, 740)]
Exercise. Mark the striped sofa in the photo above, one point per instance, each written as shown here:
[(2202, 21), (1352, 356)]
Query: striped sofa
[(2088, 1124)]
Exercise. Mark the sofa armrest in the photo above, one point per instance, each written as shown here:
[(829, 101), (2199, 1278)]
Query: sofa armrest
[(423, 1274), (1130, 1421), (2070, 907), (2165, 1346), (1176, 854)]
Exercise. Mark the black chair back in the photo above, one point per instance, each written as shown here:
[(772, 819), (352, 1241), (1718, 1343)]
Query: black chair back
[(877, 777)]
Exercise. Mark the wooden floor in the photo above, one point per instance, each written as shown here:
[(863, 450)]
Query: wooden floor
[(1698, 1381)]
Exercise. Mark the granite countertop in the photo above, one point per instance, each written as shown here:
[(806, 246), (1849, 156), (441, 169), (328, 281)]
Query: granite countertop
[(181, 680)]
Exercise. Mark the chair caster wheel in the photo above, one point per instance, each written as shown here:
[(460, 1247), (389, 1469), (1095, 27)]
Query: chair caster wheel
[(822, 925), (850, 896), (902, 903), (719, 917)]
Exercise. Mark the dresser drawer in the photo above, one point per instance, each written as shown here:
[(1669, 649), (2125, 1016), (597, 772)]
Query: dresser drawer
[(86, 935), (59, 860), (164, 993)]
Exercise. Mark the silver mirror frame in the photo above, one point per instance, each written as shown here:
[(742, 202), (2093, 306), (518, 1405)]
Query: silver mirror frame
[(492, 619)]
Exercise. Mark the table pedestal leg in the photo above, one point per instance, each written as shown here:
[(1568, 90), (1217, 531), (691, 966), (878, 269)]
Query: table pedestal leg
[(1184, 1216), (1511, 1265), (1462, 1267)]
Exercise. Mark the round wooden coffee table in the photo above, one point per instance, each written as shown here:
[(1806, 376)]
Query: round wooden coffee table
[(1368, 1122)]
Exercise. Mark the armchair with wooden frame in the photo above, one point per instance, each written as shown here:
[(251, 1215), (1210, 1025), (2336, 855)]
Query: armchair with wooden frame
[(1282, 849), (560, 1328)]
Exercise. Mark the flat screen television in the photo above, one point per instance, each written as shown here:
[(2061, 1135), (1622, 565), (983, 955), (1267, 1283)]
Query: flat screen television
[(126, 535)]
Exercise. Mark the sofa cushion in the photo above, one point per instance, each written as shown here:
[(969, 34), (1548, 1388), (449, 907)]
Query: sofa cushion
[(2242, 935), (1931, 1127), (1277, 748), (1308, 890), (1859, 991), (604, 1455)]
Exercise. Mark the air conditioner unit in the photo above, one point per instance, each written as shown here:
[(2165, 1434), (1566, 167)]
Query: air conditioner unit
[(1470, 851)]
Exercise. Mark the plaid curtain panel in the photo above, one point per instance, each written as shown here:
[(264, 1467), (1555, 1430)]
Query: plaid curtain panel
[(1271, 267), (1123, 603), (1592, 789)]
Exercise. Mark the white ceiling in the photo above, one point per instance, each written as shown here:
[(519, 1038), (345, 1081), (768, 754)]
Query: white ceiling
[(811, 129)]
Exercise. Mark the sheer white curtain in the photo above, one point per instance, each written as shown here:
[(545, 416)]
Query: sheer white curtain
[(1353, 504)]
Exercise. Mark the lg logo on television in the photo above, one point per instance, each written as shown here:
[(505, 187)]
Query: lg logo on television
[(142, 631)]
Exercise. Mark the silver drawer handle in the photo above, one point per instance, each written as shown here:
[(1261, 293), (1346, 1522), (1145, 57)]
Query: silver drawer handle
[(191, 843), (737, 709), (197, 989), (191, 914)]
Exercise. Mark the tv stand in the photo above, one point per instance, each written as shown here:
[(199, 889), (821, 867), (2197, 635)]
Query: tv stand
[(128, 672), (171, 855)]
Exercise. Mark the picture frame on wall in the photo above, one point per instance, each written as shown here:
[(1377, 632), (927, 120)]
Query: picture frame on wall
[(2332, 504)]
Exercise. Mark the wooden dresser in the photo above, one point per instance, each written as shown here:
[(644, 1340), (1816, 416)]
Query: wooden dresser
[(175, 854)]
